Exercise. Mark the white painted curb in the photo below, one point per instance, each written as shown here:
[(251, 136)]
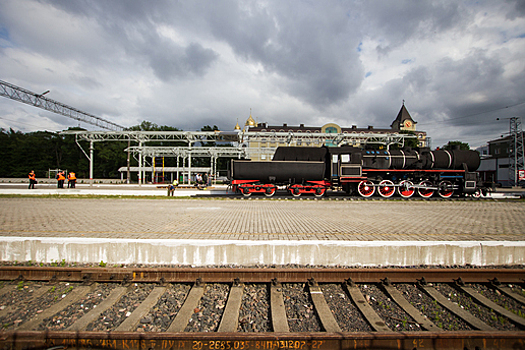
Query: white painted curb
[(249, 253)]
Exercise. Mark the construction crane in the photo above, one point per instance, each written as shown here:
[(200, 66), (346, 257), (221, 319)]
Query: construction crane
[(19, 94)]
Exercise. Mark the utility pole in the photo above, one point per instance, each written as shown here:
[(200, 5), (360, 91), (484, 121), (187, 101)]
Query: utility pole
[(516, 164)]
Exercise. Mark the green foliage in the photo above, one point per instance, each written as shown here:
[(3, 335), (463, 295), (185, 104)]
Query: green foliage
[(412, 143), (43, 150), (455, 145), (149, 126), (39, 151), (209, 128), (409, 142)]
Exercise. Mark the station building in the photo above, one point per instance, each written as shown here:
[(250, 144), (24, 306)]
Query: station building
[(496, 159), (261, 146)]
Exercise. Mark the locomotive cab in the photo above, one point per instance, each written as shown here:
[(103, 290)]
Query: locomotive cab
[(343, 164)]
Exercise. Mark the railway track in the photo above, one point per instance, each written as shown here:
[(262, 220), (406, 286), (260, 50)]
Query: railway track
[(261, 308)]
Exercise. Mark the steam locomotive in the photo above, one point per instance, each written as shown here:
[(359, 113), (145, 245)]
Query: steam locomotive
[(314, 170)]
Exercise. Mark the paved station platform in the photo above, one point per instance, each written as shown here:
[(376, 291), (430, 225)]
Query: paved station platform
[(219, 230)]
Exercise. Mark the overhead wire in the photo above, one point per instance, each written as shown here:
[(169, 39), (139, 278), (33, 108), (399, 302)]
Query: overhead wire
[(470, 115)]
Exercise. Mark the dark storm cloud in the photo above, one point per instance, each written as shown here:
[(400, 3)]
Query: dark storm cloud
[(171, 61), (131, 26), (517, 9), (464, 96), (312, 48), (466, 86), (395, 22)]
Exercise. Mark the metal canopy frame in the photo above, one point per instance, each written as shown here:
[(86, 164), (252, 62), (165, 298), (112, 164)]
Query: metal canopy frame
[(243, 137), (186, 153), (189, 137), (338, 139)]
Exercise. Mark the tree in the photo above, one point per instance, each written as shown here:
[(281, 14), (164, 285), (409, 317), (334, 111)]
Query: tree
[(452, 145), (149, 126), (409, 142), (209, 128), (42, 150)]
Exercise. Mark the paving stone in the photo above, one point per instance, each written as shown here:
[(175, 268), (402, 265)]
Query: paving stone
[(263, 219)]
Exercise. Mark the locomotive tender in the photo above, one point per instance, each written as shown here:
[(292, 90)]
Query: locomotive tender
[(314, 170)]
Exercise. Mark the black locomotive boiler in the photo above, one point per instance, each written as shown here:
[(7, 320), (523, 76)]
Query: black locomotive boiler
[(314, 170)]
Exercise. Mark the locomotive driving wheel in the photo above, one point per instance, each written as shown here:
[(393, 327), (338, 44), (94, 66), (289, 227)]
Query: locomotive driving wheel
[(366, 188), (295, 191), (319, 191), (386, 189), (446, 189), (246, 191), (270, 191), (425, 192), (406, 189)]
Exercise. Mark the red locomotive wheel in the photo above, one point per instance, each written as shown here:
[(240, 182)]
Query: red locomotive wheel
[(425, 192), (319, 192), (296, 191), (270, 191), (406, 189), (386, 188), (366, 188), (445, 189), (246, 192)]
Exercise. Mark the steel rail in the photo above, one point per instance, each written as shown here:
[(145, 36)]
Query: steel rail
[(263, 341), (77, 338), (264, 275)]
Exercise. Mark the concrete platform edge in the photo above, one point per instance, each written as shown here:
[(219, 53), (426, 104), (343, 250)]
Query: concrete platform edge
[(249, 253)]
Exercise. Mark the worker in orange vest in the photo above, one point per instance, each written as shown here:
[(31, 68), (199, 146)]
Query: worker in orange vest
[(32, 179), (71, 180), (61, 178)]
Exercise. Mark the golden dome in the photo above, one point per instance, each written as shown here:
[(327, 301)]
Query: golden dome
[(250, 121), (237, 127)]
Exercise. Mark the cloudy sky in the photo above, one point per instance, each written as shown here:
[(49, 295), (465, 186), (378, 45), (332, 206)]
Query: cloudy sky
[(458, 65)]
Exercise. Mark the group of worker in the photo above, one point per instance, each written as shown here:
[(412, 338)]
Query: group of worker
[(61, 178)]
